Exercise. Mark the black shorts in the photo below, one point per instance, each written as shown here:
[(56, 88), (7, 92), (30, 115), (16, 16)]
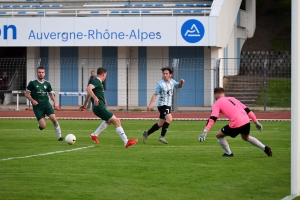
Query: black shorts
[(163, 111), (233, 132)]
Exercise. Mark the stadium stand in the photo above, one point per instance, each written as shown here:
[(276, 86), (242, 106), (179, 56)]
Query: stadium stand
[(86, 8)]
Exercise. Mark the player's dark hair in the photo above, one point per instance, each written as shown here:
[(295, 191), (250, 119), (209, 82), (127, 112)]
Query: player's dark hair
[(167, 68), (40, 67), (219, 90), (101, 70)]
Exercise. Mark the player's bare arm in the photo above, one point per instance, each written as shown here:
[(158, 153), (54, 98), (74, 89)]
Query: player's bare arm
[(151, 102), (52, 97), (90, 92), (83, 107), (28, 96), (181, 83)]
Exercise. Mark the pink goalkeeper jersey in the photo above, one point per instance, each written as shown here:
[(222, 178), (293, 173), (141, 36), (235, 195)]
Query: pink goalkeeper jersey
[(233, 109)]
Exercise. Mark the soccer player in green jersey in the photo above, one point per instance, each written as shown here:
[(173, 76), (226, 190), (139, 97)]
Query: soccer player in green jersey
[(37, 92), (95, 90)]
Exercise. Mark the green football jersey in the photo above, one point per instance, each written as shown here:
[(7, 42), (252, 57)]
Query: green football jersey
[(39, 90), (98, 91)]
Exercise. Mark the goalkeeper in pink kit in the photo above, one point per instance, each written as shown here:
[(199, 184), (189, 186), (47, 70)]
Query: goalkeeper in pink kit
[(238, 114)]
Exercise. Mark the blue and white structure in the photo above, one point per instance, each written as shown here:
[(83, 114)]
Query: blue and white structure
[(109, 33)]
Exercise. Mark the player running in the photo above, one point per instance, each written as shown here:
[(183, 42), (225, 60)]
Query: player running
[(95, 90), (164, 89), (238, 114), (37, 92)]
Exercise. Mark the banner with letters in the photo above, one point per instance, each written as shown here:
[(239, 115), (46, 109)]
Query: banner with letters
[(108, 31)]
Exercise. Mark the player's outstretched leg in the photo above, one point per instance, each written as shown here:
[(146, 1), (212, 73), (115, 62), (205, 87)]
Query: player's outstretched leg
[(102, 127), (257, 143), (154, 128), (164, 130)]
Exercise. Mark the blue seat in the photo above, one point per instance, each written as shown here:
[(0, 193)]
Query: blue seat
[(207, 5), (6, 6), (35, 6), (45, 5), (148, 5), (176, 11), (179, 5), (2, 13), (186, 11), (25, 6), (197, 11), (41, 12), (199, 5), (128, 5), (124, 12), (39, 0), (138, 5), (135, 12), (55, 6), (159, 5), (115, 12), (145, 11), (21, 13), (29, 0), (189, 5), (16, 6), (94, 12)]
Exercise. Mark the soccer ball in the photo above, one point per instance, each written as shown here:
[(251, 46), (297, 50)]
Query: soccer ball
[(70, 139)]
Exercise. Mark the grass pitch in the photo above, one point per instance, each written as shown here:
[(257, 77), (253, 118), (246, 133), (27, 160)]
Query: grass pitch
[(34, 165)]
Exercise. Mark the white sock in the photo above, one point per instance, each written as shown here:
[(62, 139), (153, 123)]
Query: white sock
[(101, 128), (122, 134), (256, 142), (57, 130), (224, 144)]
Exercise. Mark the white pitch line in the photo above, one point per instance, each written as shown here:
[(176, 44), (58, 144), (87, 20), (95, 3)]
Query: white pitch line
[(48, 153)]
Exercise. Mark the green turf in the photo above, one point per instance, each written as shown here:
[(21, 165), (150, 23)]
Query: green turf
[(182, 169), (278, 93)]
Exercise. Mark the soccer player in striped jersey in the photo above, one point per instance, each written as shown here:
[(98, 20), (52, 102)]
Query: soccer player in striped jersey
[(37, 92), (238, 115), (164, 89)]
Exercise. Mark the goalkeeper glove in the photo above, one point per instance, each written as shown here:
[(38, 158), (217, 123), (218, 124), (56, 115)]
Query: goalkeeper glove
[(259, 126), (201, 138)]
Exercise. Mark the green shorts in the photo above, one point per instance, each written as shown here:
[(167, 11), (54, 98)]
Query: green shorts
[(43, 109), (102, 112)]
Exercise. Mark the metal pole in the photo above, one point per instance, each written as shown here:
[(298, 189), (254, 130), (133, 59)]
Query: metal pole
[(265, 84), (82, 64), (127, 88), (295, 96), (175, 64)]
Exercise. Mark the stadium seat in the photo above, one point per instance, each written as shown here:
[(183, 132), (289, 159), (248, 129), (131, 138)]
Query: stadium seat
[(55, 6), (5, 6), (25, 6), (45, 6), (186, 11), (115, 12), (138, 5), (197, 11), (158, 5), (179, 5), (2, 13), (22, 13), (135, 12), (176, 11), (35, 6), (94, 12), (128, 5), (124, 12), (15, 6), (145, 11), (41, 13), (148, 5)]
